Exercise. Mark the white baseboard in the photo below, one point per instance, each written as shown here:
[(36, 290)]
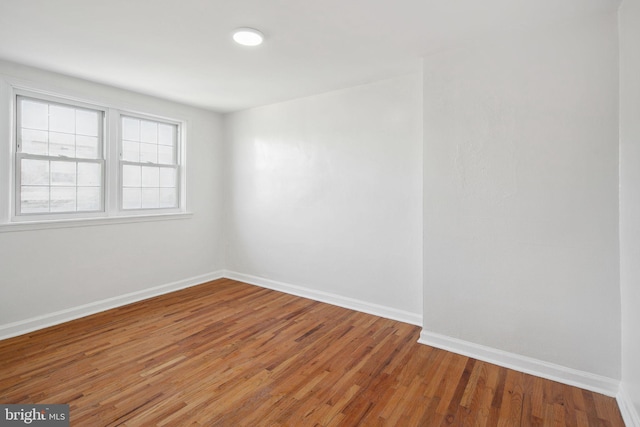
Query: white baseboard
[(39, 322), (540, 368), (329, 298), (627, 409)]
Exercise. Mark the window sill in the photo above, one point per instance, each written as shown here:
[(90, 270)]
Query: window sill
[(90, 222)]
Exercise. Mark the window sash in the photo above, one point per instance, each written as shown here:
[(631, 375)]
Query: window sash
[(49, 102), (20, 186), (127, 204)]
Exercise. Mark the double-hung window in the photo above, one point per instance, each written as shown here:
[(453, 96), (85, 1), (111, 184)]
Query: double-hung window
[(59, 158), (149, 164), (75, 160)]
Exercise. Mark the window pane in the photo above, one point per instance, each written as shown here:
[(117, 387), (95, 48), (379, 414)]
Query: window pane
[(87, 147), (63, 199), (148, 153), (130, 151), (89, 174), (150, 176), (131, 176), (165, 155), (87, 122), (148, 132), (89, 198), (34, 199), (34, 114), (168, 177), (62, 119), (167, 134), (63, 173), (62, 144), (130, 129), (34, 142), (168, 198), (131, 198), (34, 172), (150, 197)]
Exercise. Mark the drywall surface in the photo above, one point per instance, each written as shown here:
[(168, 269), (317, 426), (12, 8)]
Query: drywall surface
[(520, 195), (324, 192), (44, 271), (629, 22)]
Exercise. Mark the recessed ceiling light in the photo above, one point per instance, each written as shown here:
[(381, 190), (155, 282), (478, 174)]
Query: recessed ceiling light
[(248, 36)]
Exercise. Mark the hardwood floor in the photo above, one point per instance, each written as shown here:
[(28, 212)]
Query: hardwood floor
[(229, 354)]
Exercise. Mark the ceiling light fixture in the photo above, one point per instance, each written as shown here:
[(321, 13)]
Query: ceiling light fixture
[(248, 36)]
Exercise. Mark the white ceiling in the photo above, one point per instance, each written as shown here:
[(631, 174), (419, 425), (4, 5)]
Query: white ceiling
[(182, 49)]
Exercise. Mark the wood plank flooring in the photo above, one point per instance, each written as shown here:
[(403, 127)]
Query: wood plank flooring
[(229, 354)]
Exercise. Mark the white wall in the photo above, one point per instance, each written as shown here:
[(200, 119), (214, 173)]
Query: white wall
[(520, 187), (629, 21), (44, 271), (324, 193)]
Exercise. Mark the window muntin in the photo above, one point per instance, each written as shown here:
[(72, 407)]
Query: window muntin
[(149, 167), (59, 157)]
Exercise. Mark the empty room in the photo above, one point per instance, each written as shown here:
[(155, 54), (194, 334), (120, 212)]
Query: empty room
[(330, 213)]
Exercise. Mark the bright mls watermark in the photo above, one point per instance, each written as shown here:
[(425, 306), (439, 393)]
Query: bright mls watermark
[(34, 415)]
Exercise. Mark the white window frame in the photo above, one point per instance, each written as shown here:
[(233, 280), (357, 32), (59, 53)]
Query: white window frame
[(17, 156), (122, 162), (10, 89)]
